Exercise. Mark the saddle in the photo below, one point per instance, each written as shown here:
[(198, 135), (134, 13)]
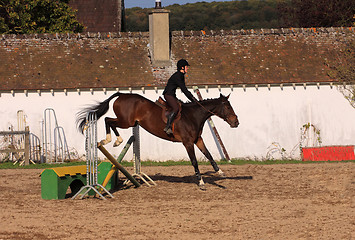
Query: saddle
[(166, 110)]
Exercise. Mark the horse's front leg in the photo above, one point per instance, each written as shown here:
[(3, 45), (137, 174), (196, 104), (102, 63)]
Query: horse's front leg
[(201, 145), (191, 152)]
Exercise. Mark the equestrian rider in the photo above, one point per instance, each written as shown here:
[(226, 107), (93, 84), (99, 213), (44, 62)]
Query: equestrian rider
[(175, 81)]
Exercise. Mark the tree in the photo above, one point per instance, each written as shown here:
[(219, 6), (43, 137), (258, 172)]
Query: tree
[(211, 16), (37, 16), (137, 19), (317, 13), (344, 72)]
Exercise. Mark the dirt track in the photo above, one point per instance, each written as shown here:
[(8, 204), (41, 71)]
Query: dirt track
[(294, 201)]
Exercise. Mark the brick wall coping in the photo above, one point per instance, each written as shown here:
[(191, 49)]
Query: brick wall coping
[(127, 35), (66, 36), (278, 31)]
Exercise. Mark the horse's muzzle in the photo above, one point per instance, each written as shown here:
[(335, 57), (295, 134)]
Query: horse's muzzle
[(233, 122)]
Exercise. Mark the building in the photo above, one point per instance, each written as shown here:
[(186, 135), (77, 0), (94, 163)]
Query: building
[(100, 16)]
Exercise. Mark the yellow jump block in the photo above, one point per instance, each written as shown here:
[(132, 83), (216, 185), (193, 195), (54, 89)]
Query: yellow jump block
[(71, 171)]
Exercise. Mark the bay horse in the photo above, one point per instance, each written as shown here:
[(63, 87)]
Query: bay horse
[(132, 109)]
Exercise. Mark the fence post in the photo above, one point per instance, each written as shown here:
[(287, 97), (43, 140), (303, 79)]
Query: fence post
[(27, 145)]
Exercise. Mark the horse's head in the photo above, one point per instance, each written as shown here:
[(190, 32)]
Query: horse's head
[(226, 112)]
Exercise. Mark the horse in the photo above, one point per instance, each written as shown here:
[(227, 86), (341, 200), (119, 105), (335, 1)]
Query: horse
[(132, 109)]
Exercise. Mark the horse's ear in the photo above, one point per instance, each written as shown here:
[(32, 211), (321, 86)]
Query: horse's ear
[(221, 96)]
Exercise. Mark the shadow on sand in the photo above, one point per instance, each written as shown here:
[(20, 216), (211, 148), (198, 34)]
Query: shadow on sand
[(209, 177)]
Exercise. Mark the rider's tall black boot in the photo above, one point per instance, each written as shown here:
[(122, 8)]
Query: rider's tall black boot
[(170, 120)]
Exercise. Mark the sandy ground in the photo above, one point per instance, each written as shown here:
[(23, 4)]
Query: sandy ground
[(293, 201)]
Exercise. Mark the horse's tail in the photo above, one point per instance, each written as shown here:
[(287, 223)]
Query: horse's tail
[(100, 109)]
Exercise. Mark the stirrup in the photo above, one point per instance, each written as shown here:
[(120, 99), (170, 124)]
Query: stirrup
[(168, 130)]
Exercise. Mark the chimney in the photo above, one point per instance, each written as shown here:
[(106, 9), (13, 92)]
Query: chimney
[(158, 4), (159, 35)]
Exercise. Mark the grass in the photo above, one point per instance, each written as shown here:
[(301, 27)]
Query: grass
[(9, 165)]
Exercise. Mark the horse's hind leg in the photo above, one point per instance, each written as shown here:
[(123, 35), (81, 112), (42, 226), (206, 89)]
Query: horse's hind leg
[(119, 139), (108, 132), (201, 145), (110, 123)]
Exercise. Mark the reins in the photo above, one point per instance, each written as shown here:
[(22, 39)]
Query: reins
[(208, 110)]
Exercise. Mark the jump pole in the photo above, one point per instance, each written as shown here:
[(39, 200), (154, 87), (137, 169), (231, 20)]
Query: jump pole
[(119, 159), (137, 158), (117, 165), (91, 159)]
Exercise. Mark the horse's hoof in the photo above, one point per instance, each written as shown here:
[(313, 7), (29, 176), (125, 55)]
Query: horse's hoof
[(118, 141), (221, 174), (202, 187)]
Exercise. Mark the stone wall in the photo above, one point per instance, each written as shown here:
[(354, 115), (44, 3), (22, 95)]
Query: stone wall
[(268, 119)]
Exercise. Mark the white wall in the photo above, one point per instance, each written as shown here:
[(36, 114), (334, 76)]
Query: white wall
[(265, 116)]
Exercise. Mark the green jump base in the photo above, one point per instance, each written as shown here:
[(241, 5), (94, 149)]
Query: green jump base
[(56, 181)]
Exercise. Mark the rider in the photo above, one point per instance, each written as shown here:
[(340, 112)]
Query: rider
[(175, 81)]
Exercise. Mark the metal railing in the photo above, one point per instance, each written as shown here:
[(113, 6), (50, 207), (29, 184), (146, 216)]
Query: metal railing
[(54, 145)]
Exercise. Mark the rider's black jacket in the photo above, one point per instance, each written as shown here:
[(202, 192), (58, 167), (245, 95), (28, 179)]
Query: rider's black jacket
[(175, 81)]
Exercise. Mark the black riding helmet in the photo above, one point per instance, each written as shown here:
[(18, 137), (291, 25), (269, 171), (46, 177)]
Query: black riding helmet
[(182, 63)]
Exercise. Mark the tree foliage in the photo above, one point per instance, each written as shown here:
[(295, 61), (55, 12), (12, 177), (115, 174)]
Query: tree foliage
[(317, 13), (252, 14), (37, 16), (211, 16), (344, 71)]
